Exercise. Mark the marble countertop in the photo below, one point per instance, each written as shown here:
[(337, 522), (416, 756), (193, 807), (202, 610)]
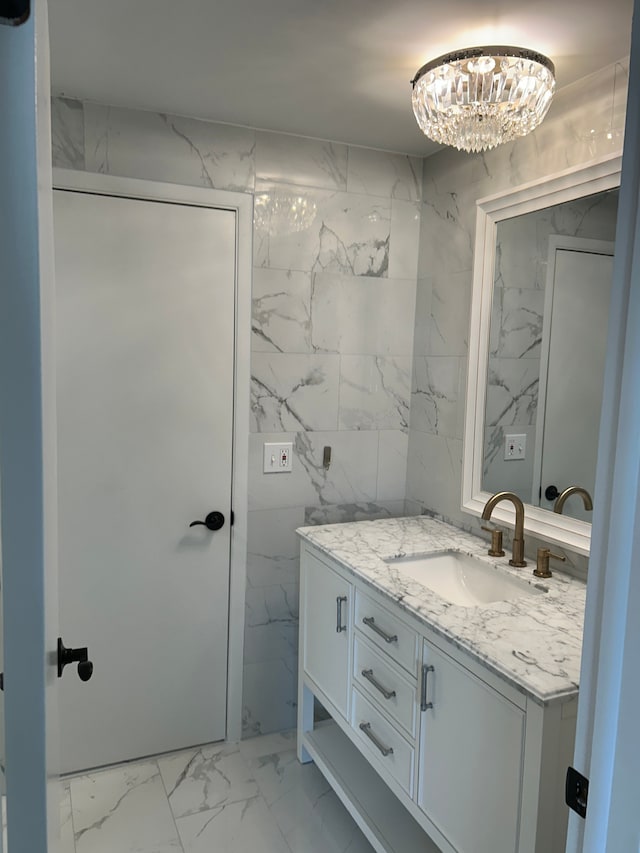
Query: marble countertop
[(533, 643)]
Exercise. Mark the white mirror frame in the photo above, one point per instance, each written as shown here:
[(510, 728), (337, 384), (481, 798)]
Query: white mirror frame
[(568, 185)]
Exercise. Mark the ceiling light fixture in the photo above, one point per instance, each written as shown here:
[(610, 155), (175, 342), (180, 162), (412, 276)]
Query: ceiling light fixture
[(479, 97)]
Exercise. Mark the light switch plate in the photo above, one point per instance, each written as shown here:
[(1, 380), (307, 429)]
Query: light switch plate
[(278, 457), (515, 447)]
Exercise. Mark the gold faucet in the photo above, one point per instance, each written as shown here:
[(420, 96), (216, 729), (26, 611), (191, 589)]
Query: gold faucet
[(517, 556), (573, 490)]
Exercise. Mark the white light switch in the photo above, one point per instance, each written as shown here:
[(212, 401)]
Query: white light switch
[(277, 457), (515, 446)]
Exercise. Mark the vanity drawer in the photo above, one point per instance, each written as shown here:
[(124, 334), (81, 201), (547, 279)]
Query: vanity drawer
[(379, 739), (387, 632), (384, 685)]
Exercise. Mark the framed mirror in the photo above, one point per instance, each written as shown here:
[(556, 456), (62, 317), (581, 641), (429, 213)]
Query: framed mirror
[(539, 315)]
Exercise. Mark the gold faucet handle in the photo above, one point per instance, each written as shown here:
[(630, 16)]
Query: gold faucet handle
[(496, 542), (556, 556), (542, 569)]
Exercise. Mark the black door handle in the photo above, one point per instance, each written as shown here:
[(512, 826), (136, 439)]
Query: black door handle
[(213, 521), (551, 493), (79, 656)]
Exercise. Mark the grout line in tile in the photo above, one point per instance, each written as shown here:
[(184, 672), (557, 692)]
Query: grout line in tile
[(173, 817), (71, 818)]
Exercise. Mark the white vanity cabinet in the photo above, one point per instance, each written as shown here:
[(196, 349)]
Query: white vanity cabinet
[(327, 600), (428, 749), (471, 756)]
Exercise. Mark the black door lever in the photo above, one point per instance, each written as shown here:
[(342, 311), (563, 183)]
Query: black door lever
[(79, 656), (213, 521)]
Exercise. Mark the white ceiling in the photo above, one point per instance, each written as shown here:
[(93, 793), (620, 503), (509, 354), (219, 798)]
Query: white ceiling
[(332, 69)]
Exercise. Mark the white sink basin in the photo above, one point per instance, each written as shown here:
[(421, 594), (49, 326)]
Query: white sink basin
[(461, 579)]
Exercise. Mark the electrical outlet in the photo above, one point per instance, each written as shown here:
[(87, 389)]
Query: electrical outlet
[(515, 447), (278, 457)]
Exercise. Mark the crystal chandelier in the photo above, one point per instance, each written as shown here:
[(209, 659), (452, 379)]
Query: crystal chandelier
[(479, 97)]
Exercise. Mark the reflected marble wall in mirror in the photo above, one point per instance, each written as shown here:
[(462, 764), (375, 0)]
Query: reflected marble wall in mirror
[(551, 289), (537, 341)]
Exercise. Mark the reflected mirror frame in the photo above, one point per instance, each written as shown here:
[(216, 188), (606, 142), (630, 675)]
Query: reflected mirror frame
[(598, 176)]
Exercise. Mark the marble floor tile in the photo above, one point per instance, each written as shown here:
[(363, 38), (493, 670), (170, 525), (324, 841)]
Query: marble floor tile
[(328, 828), (308, 813), (256, 747), (227, 798), (282, 779), (206, 778), (233, 828), (123, 810)]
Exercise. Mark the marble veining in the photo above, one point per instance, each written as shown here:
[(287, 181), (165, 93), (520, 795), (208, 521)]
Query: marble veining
[(294, 391), (534, 644), (160, 147), (374, 392), (281, 311), (512, 391), (231, 798), (348, 479), (206, 778), (362, 315), (301, 161), (105, 805), (437, 388), (348, 234), (385, 174), (341, 513)]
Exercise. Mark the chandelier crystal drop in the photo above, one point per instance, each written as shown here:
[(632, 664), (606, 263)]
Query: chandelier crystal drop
[(480, 97)]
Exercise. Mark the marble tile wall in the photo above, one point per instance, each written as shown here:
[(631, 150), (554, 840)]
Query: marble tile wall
[(336, 236), (585, 121)]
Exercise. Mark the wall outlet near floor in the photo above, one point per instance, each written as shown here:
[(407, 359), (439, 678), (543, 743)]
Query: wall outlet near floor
[(515, 446), (278, 457)]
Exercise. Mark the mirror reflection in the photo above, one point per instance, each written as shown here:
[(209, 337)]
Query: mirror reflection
[(551, 290)]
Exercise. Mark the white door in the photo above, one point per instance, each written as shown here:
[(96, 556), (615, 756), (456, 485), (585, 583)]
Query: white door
[(145, 324), (571, 393)]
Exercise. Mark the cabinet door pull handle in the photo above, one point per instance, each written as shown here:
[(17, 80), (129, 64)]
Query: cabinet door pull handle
[(424, 705), (340, 599), (370, 622), (368, 674), (385, 750)]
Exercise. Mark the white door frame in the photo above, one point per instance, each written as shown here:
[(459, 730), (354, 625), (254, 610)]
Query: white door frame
[(607, 744), (242, 205), (28, 426)]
